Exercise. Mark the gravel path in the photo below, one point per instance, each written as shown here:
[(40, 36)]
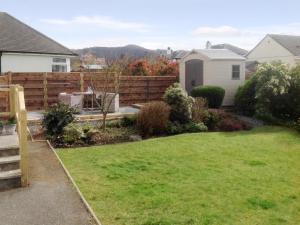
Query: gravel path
[(49, 200)]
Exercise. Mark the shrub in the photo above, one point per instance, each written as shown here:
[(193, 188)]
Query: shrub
[(56, 118), (72, 133), (273, 82), (193, 127), (198, 109), (213, 94), (140, 68), (179, 102), (232, 124), (211, 118), (245, 101), (164, 67), (129, 121), (153, 118), (297, 124), (174, 128)]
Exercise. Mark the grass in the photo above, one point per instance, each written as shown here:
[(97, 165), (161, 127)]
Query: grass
[(239, 178)]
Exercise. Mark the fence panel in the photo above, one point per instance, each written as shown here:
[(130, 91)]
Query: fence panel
[(42, 89)]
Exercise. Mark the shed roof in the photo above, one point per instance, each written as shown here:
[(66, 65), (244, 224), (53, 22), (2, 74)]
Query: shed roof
[(15, 36), (220, 54), (230, 47)]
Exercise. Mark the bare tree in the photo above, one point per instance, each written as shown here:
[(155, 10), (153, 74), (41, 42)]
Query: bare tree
[(109, 87)]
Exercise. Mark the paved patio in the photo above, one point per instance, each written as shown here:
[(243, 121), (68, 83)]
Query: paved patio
[(49, 200)]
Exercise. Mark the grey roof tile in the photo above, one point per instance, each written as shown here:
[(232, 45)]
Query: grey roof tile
[(290, 42), (16, 36)]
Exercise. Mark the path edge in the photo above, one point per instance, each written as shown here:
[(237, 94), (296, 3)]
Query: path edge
[(86, 204)]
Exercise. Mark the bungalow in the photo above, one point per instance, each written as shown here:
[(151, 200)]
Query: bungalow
[(218, 67), (23, 49), (284, 48)]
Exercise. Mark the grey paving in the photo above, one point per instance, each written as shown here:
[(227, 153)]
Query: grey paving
[(49, 200)]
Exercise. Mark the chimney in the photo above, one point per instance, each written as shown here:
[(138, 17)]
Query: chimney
[(208, 45)]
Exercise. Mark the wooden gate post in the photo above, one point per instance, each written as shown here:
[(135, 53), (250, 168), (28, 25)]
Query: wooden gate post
[(45, 83)]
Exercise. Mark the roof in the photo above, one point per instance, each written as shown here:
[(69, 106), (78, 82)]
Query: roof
[(290, 42), (18, 37), (180, 54), (233, 48), (220, 54)]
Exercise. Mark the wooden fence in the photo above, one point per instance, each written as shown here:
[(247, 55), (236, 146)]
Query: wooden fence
[(42, 89)]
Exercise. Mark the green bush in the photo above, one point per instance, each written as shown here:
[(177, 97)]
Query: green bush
[(129, 121), (245, 101), (193, 127), (272, 88), (198, 109), (153, 118), (211, 118), (174, 128), (179, 102), (56, 118), (72, 133), (213, 94), (297, 125)]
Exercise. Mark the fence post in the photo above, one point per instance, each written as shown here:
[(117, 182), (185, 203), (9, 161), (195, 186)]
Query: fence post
[(45, 83), (12, 101), (81, 82), (22, 128)]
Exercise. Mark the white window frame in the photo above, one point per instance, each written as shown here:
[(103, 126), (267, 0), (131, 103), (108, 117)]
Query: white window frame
[(234, 71), (61, 62)]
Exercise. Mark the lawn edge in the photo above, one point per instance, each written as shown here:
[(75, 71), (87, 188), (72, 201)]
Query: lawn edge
[(82, 198)]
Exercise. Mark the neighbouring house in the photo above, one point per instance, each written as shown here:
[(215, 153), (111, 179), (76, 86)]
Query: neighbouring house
[(274, 47), (23, 49), (219, 67)]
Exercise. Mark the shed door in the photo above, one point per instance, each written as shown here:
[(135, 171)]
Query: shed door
[(193, 74)]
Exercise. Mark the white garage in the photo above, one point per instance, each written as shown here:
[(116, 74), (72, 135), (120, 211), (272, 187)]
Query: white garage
[(218, 67)]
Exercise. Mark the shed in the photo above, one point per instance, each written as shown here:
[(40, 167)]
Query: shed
[(218, 67)]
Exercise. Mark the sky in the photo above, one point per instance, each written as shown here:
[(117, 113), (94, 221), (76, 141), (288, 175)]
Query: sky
[(185, 24)]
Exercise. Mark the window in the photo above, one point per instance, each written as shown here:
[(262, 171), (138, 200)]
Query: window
[(59, 60), (236, 72), (59, 65), (59, 68)]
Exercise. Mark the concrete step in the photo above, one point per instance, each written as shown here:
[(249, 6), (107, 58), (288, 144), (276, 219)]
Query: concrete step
[(10, 179), (9, 145), (9, 163)]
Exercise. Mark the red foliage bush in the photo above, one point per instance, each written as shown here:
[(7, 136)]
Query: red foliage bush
[(164, 67), (139, 67), (219, 120), (153, 118), (232, 124), (160, 67)]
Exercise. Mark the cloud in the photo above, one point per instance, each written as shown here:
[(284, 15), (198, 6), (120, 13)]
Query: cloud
[(216, 31), (99, 21)]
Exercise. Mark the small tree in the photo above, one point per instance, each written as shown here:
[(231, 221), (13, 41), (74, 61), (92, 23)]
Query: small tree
[(109, 87)]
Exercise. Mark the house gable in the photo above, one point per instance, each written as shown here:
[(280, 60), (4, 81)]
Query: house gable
[(269, 50)]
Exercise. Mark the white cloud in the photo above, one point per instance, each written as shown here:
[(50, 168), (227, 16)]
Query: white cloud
[(217, 31), (100, 21)]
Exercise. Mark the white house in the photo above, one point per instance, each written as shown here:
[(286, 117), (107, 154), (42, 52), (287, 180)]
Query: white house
[(218, 67), (284, 48), (23, 49)]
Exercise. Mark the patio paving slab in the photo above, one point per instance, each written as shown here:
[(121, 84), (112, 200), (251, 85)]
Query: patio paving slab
[(50, 199)]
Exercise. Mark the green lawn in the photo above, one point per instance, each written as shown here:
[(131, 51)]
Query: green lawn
[(245, 178)]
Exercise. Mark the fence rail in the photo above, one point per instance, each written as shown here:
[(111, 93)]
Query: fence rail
[(42, 89)]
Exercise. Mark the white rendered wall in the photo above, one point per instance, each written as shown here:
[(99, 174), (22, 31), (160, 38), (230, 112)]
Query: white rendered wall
[(29, 62)]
